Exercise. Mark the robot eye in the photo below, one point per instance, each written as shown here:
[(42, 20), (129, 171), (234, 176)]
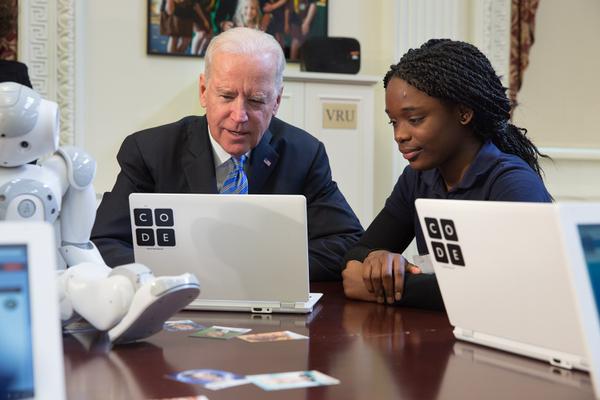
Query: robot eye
[(25, 144)]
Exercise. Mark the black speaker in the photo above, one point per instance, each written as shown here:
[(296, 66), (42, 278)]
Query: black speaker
[(330, 54)]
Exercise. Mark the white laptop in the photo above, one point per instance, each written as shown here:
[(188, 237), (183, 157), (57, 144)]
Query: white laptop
[(249, 252), (581, 232), (503, 273), (31, 357)]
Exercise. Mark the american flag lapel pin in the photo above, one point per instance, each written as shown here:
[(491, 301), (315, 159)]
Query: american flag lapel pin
[(267, 162)]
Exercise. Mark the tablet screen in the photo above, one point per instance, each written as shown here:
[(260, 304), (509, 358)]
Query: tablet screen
[(590, 240), (16, 353)]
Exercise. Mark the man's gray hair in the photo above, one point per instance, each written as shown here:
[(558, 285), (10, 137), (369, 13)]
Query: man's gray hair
[(249, 42)]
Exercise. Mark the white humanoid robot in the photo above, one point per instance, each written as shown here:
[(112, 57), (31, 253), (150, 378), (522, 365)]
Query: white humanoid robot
[(128, 301)]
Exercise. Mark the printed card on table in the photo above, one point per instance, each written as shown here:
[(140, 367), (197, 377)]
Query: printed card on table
[(212, 379), (292, 380), (220, 332), (272, 337), (184, 325)]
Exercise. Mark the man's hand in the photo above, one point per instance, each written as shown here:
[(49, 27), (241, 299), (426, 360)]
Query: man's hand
[(383, 275), (354, 287)]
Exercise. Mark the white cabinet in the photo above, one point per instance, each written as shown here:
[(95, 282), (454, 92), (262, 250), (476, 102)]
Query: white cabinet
[(338, 110)]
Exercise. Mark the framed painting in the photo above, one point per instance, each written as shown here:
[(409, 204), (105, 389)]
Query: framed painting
[(185, 27), (8, 29)]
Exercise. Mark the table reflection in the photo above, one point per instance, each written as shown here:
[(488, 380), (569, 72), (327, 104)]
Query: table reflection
[(482, 372), (94, 370), (382, 352)]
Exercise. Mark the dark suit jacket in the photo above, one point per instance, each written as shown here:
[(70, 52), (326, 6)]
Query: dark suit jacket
[(178, 158)]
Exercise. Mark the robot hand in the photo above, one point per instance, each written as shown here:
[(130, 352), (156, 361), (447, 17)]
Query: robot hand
[(128, 301), (155, 300)]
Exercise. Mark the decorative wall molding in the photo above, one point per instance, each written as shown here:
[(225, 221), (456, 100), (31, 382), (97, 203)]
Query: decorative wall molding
[(65, 94), (420, 20), (491, 33), (574, 153), (36, 37), (47, 46)]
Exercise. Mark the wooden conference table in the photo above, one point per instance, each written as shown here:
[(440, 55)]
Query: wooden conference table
[(377, 352)]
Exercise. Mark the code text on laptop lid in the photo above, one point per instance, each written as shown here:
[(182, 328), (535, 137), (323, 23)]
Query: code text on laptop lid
[(249, 252), (502, 272)]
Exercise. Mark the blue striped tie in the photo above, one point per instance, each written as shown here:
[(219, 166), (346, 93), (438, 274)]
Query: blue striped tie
[(236, 181)]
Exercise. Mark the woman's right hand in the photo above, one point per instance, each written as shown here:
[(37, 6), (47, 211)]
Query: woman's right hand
[(383, 275)]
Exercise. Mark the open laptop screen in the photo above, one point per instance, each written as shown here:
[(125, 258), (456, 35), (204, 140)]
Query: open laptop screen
[(16, 354), (590, 241)]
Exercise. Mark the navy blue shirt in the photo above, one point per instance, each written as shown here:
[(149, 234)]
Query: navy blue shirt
[(493, 175)]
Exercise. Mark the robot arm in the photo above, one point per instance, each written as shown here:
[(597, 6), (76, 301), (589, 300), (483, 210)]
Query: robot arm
[(77, 169)]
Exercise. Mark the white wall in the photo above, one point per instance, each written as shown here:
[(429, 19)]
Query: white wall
[(560, 97), (124, 89)]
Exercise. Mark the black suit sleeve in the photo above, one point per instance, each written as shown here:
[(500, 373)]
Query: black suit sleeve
[(332, 225), (112, 229)]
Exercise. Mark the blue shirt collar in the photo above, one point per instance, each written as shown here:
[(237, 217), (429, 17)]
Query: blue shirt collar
[(484, 161)]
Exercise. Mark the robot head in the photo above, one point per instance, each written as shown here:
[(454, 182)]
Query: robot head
[(29, 125)]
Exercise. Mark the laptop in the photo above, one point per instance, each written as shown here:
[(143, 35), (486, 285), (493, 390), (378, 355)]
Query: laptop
[(502, 269), (581, 233), (31, 357), (249, 252)]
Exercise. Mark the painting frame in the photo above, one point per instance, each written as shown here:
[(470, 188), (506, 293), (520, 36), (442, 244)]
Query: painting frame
[(199, 21), (9, 16)]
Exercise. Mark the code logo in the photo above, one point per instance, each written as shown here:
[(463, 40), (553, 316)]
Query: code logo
[(153, 222), (444, 231)]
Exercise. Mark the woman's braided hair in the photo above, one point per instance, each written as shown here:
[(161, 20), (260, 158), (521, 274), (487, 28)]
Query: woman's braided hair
[(458, 73)]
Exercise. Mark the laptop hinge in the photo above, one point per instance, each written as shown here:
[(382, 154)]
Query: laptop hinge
[(285, 305)]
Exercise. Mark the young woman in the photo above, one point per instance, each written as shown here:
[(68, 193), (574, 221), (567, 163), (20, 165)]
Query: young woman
[(450, 116)]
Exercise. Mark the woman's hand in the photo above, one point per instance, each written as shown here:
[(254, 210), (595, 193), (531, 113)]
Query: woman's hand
[(383, 275), (354, 287)]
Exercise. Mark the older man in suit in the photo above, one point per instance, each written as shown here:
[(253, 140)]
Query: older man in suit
[(241, 92)]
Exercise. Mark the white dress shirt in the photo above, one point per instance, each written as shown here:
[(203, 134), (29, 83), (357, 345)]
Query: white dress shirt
[(222, 164)]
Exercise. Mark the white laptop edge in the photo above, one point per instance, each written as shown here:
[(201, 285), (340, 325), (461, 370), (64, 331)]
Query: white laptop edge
[(571, 216), (48, 365), (257, 307), (552, 356)]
